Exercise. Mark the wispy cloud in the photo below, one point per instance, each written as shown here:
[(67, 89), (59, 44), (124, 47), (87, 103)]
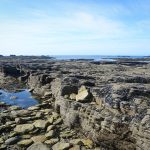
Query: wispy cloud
[(77, 28)]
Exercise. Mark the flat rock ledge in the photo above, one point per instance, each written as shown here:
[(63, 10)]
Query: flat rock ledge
[(85, 105)]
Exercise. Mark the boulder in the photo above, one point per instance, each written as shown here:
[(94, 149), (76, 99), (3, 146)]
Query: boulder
[(83, 95)]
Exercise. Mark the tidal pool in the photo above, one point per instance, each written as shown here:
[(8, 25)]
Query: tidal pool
[(23, 99)]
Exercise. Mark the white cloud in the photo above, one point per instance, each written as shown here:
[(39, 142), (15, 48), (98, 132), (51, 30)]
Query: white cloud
[(78, 30)]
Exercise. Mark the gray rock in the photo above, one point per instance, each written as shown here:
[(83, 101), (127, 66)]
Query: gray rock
[(51, 127), (34, 108), (38, 146), (48, 94), (39, 138), (42, 124), (61, 146), (51, 141), (1, 141), (24, 143), (12, 140), (83, 95), (50, 134), (24, 128)]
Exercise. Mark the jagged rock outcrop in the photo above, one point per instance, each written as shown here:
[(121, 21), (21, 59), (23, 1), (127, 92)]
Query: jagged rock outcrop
[(107, 102)]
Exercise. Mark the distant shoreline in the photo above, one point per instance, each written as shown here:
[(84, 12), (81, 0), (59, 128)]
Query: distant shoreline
[(99, 58)]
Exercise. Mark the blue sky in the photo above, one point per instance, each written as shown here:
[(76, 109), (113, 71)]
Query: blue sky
[(81, 27)]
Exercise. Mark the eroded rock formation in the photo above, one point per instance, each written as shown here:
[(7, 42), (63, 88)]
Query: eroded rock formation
[(107, 102)]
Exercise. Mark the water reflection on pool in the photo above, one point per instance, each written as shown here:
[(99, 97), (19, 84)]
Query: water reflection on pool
[(23, 99)]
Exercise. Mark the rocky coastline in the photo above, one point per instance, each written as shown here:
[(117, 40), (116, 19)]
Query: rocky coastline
[(85, 105)]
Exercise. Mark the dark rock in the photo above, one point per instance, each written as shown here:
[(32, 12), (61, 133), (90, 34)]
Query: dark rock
[(12, 140)]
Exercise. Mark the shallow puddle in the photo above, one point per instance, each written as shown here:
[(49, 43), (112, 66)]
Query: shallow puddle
[(23, 99)]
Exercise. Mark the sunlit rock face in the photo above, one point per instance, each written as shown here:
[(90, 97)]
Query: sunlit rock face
[(108, 102)]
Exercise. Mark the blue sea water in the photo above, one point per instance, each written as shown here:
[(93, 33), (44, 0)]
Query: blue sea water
[(93, 57), (23, 99)]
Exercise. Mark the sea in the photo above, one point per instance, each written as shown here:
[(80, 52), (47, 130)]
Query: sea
[(95, 57)]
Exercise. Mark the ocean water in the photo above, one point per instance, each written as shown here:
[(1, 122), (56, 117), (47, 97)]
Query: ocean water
[(94, 57)]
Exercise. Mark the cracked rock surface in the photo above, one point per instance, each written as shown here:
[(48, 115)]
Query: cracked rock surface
[(84, 105)]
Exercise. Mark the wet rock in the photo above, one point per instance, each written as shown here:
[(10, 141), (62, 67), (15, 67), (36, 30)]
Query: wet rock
[(14, 107), (20, 113), (30, 90), (13, 97)]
